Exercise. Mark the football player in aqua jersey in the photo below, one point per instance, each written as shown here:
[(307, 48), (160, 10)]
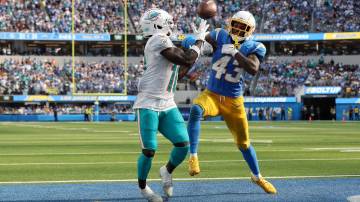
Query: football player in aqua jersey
[(155, 106), (233, 54)]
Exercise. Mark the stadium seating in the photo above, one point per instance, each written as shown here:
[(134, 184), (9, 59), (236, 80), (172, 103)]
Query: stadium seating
[(272, 16), (63, 109), (278, 78), (34, 76), (92, 16)]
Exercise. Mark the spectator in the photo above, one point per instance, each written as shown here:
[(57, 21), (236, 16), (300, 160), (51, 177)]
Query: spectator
[(250, 114), (287, 16), (273, 114), (312, 112), (318, 114), (113, 116), (282, 112), (261, 114), (289, 112), (91, 16), (333, 113), (356, 113), (351, 111), (55, 113), (107, 16), (86, 114), (30, 76), (267, 111)]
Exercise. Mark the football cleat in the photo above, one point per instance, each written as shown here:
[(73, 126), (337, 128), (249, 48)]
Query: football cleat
[(194, 167), (150, 195), (166, 179), (264, 184)]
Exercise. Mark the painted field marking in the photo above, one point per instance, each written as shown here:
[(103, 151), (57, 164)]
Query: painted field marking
[(350, 150), (355, 198), (230, 140), (67, 128), (111, 131), (65, 138), (80, 153), (126, 139), (138, 152), (67, 142), (332, 148), (161, 162), (178, 179), (133, 134)]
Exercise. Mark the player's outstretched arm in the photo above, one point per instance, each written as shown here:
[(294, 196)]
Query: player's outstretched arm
[(183, 57), (188, 57), (211, 41), (250, 64)]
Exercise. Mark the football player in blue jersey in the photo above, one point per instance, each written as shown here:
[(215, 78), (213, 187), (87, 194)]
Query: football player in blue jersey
[(233, 54)]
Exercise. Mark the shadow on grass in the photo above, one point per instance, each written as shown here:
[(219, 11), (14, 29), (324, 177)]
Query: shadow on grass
[(191, 197)]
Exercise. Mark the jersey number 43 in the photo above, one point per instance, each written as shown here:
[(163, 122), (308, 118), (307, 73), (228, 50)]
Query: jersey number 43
[(220, 67)]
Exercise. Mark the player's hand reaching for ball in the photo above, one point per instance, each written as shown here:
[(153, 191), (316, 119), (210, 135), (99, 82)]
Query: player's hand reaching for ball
[(200, 32), (229, 49)]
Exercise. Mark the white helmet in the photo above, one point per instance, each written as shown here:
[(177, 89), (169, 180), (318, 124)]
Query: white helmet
[(242, 25), (156, 21)]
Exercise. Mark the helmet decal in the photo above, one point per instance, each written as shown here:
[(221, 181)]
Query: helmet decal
[(156, 21), (153, 15)]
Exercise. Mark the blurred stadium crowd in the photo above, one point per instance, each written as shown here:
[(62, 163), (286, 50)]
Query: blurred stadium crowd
[(106, 16), (278, 78), (282, 78), (91, 16), (64, 109), (34, 76)]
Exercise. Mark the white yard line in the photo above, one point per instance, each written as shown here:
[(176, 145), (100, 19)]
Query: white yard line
[(67, 128), (160, 162), (355, 198), (138, 152), (350, 150), (80, 153), (230, 140), (70, 142), (332, 148), (179, 179)]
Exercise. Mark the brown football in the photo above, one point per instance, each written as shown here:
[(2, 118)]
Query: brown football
[(207, 9)]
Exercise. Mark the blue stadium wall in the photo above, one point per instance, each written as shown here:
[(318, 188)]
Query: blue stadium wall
[(67, 117), (255, 103), (343, 105)]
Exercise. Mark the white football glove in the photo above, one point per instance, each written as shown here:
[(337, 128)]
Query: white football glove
[(229, 49), (200, 32), (206, 48)]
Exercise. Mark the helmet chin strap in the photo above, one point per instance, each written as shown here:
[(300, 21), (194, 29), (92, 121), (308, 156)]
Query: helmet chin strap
[(236, 41)]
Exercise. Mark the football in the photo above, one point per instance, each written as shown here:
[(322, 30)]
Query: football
[(207, 9)]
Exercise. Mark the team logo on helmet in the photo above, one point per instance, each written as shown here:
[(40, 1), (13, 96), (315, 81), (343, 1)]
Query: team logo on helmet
[(153, 15)]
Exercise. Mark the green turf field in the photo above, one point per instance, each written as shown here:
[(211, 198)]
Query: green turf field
[(108, 151)]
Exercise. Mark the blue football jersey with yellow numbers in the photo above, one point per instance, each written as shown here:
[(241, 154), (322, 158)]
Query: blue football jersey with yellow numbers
[(226, 76)]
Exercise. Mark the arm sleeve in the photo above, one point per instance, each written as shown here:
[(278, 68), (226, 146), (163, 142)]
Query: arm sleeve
[(206, 48), (214, 34), (188, 42), (260, 51)]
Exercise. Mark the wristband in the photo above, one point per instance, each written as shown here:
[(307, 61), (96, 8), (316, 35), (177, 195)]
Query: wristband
[(234, 53), (196, 49)]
